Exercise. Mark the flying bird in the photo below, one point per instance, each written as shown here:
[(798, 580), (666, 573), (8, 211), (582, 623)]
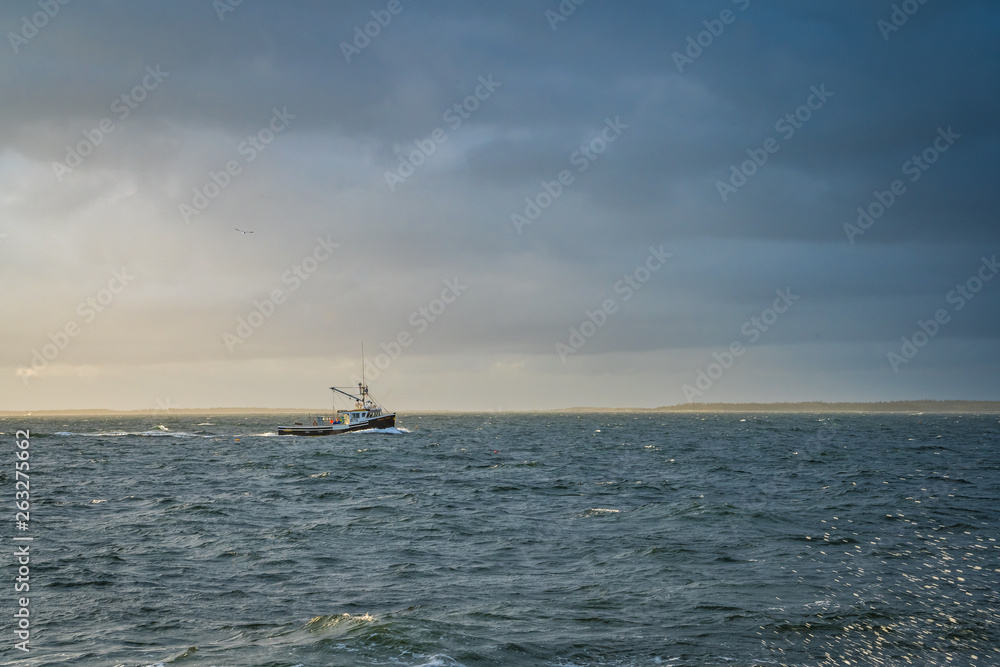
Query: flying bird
[(244, 231)]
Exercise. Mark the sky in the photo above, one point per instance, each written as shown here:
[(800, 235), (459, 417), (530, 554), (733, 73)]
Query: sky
[(525, 205)]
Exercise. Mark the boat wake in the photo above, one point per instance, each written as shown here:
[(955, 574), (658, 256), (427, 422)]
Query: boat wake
[(159, 431)]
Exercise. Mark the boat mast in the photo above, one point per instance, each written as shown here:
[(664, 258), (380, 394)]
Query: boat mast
[(363, 387)]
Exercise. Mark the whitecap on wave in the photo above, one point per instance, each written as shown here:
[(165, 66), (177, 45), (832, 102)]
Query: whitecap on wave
[(439, 660), (601, 511), (392, 429)]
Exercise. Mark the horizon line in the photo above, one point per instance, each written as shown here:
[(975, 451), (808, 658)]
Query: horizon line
[(920, 405)]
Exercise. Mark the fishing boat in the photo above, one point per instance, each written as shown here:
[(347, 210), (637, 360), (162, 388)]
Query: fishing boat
[(365, 414)]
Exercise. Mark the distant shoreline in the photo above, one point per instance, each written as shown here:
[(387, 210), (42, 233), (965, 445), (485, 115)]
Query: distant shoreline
[(969, 407), (949, 407)]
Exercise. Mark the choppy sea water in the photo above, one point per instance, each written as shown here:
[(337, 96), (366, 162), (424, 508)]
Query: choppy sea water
[(511, 539)]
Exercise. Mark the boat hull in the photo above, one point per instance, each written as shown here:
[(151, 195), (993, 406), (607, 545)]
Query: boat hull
[(382, 421)]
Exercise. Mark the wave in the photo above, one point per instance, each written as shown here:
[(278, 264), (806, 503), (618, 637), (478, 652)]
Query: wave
[(601, 511), (335, 620)]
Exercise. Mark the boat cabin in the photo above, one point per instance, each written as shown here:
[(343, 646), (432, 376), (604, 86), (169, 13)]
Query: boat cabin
[(357, 415)]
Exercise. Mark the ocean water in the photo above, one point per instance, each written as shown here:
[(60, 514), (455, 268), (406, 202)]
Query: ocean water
[(510, 539)]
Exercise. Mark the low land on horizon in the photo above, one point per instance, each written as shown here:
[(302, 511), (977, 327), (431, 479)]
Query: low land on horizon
[(808, 406), (817, 406)]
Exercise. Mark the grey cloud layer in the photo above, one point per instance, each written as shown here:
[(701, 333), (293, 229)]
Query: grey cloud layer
[(656, 183)]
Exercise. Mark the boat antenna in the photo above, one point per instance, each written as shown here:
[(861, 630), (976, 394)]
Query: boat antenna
[(362, 366)]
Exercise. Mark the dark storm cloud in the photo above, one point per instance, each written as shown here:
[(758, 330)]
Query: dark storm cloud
[(833, 106)]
